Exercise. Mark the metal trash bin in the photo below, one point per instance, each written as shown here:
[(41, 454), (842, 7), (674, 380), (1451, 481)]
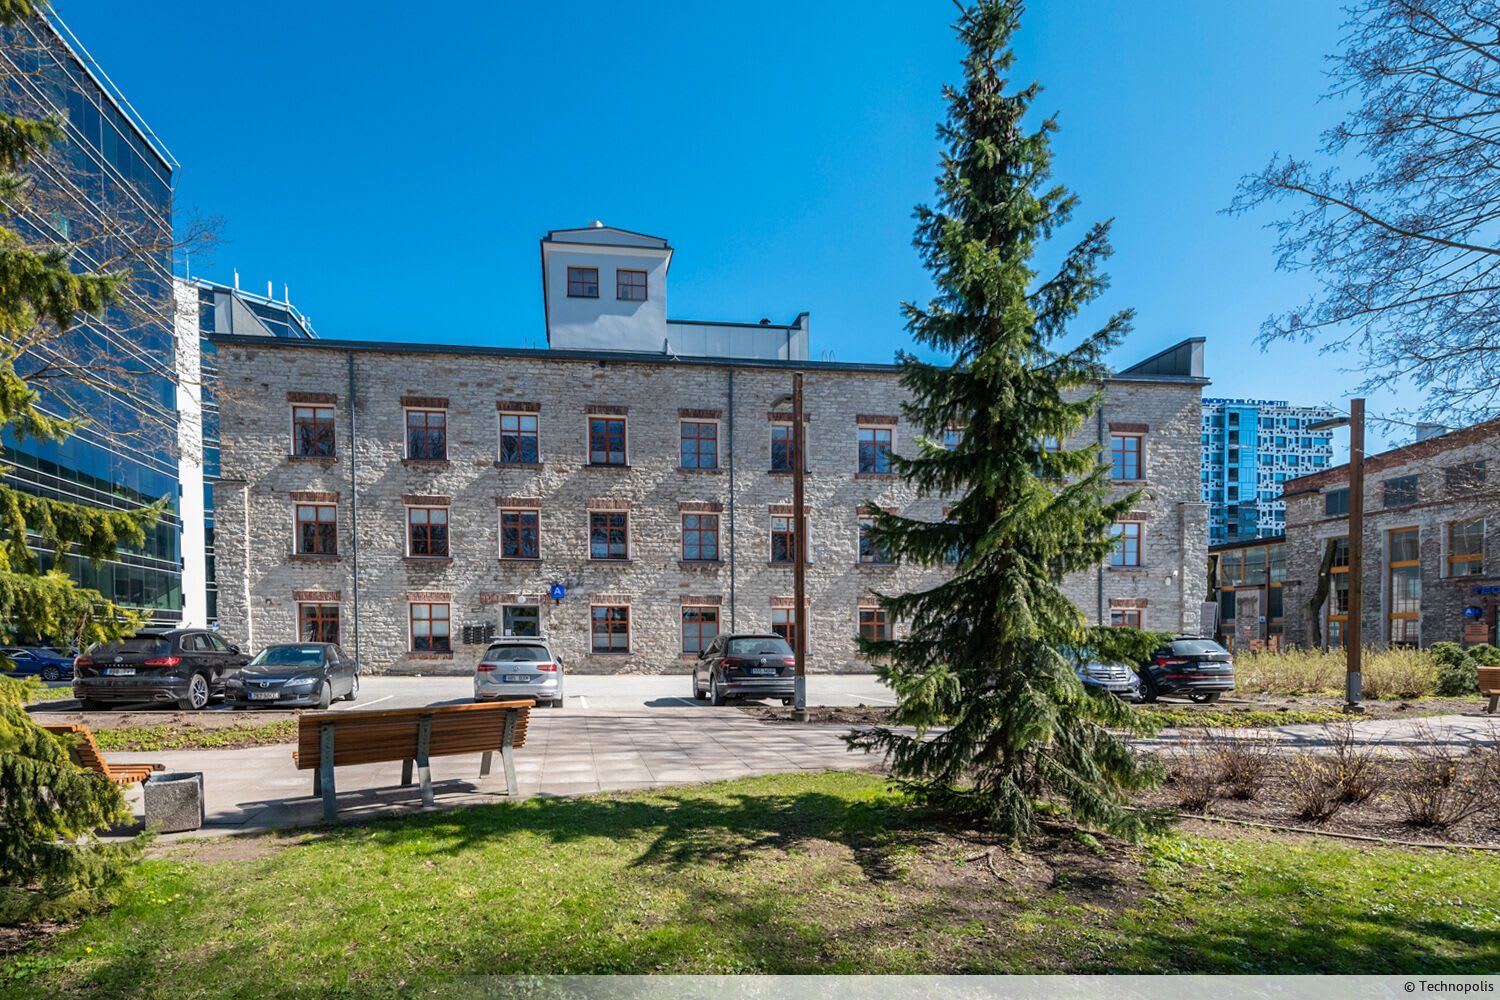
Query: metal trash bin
[(174, 799)]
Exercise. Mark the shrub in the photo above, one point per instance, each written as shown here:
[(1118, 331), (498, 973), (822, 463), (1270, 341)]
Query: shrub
[(1315, 787), (1359, 768), (1484, 655), (1388, 673), (1242, 764), (1192, 774), (1436, 790)]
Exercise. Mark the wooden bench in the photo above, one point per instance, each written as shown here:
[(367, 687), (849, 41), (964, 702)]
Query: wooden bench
[(326, 740), (1489, 685), (85, 753)]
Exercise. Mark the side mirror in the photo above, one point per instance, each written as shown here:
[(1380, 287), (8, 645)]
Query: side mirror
[(234, 649)]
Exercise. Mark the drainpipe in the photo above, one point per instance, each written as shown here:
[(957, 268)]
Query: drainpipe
[(249, 608), (1103, 450), (729, 428), (354, 509)]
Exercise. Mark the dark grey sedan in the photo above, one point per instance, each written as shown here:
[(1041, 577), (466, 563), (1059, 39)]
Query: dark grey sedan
[(294, 675)]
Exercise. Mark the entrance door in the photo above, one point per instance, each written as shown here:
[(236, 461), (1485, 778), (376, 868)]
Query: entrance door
[(518, 620)]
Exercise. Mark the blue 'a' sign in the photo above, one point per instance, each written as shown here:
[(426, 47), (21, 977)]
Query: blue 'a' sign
[(1473, 612), (557, 592)]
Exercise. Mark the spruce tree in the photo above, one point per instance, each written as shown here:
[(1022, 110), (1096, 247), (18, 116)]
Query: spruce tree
[(49, 808), (988, 652)]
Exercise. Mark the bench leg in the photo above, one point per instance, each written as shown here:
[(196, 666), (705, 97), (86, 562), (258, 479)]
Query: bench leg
[(406, 771), (484, 764), (424, 772), (1494, 703), (317, 782), (508, 750), (325, 776)]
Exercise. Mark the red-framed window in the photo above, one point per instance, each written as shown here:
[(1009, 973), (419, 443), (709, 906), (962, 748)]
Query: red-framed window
[(700, 444), (312, 431), (609, 628), (518, 439), (427, 435), (874, 624), (699, 627), (784, 624), (630, 286), (1125, 456), (1127, 550), (520, 534), (870, 553), (317, 529), (583, 282), (429, 628), (875, 450), (783, 539), (606, 440), (700, 537), (1125, 619), (427, 531), (781, 447), (609, 534), (318, 622)]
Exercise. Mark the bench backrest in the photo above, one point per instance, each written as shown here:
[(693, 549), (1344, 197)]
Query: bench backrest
[(372, 737), (86, 752)]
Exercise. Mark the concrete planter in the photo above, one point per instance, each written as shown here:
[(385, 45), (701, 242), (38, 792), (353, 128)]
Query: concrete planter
[(174, 799)]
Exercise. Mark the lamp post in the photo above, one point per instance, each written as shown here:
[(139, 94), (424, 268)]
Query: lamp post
[(1353, 635), (799, 552)]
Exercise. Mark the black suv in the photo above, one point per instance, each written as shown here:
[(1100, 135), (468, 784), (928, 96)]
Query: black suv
[(1188, 665), (185, 665), (745, 666)]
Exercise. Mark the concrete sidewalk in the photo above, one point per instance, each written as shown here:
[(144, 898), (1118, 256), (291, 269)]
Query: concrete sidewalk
[(566, 753)]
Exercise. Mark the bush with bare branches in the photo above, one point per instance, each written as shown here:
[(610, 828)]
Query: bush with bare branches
[(1437, 789), (1314, 783), (1359, 767), (1192, 773), (1242, 763)]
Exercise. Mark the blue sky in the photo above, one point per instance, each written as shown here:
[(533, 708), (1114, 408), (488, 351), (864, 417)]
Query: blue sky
[(396, 172)]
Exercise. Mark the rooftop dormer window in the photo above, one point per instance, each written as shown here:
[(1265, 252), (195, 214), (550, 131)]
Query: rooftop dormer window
[(630, 286), (583, 282)]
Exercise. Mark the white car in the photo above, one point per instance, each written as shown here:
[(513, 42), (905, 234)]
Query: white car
[(520, 666)]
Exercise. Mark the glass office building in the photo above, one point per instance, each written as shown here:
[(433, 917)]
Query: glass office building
[(106, 191), (1251, 447)]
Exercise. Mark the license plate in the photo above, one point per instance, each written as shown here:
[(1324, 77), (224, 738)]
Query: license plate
[(517, 678), (120, 671), (263, 695), (763, 671)]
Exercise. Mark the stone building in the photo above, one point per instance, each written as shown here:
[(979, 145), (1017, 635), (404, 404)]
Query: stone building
[(414, 500), (1431, 544)]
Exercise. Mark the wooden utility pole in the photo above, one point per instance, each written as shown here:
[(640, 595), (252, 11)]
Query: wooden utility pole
[(799, 554), (1354, 638)]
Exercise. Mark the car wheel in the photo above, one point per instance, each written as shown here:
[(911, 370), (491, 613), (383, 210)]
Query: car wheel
[(1148, 688), (715, 696), (325, 696), (1206, 697), (353, 688), (197, 694), (51, 673)]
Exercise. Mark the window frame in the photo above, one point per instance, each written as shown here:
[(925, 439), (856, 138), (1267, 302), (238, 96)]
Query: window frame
[(1475, 558), (620, 287), (520, 435), (319, 621), (790, 635), (607, 434), (1392, 495), (1118, 456), (880, 619), (790, 531), (878, 450), (582, 283), (877, 556), (447, 524), (700, 532), (772, 442), (1124, 615), (411, 626), (683, 438), (297, 522), (1404, 566), (683, 628), (520, 529), (427, 412), (315, 423), (610, 629), (608, 544), (1118, 556)]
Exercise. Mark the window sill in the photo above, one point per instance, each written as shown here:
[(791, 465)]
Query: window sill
[(786, 472), (439, 463), (429, 656), (876, 475), (427, 559), (787, 565), (325, 459), (700, 472), (611, 655), (876, 565), (606, 465), (520, 559), (1128, 569), (313, 557), (1133, 482), (621, 561), (517, 465), (699, 563)]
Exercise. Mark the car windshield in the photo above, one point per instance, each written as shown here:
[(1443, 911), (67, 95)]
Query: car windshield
[(1195, 647), (147, 645), (759, 646), (517, 653), (288, 656)]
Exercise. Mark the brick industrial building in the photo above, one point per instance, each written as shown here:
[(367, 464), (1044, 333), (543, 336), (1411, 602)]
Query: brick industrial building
[(1431, 544), (414, 499)]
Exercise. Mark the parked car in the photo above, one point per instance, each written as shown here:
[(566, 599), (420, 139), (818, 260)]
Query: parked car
[(1116, 678), (1197, 667), (184, 665), (294, 675), (41, 661), (519, 666), (745, 666)]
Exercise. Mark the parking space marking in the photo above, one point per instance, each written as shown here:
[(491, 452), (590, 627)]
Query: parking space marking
[(685, 701), (583, 703), (867, 699), (346, 706)]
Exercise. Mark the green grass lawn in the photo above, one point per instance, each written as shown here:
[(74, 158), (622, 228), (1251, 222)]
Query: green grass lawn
[(793, 873)]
